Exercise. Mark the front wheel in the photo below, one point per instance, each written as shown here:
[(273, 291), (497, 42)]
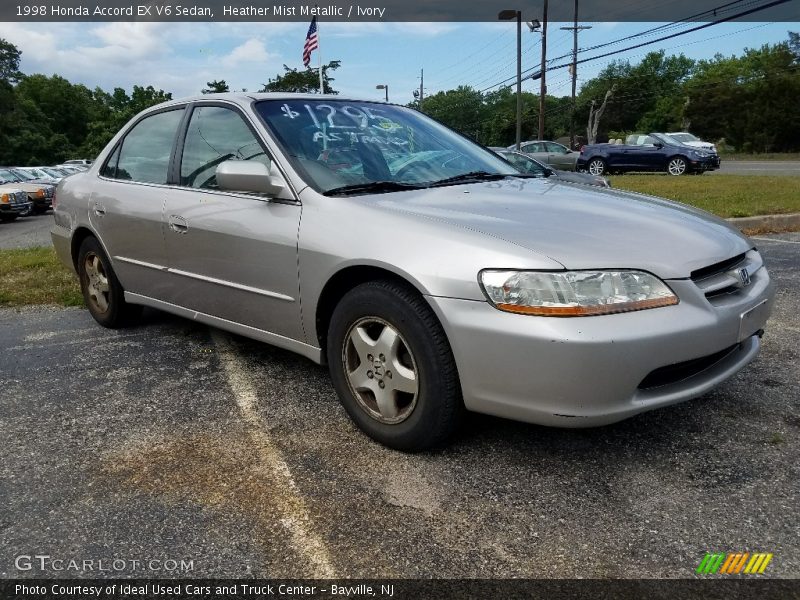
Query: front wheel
[(102, 292), (393, 368), (676, 166), (597, 166)]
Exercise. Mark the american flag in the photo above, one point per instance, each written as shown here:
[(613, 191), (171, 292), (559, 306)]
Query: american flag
[(312, 42)]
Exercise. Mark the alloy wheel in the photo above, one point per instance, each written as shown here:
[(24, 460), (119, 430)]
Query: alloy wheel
[(380, 370), (677, 166), (97, 282), (597, 167)]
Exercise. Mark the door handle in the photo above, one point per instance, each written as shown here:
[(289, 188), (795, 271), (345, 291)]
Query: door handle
[(178, 224), (99, 209)]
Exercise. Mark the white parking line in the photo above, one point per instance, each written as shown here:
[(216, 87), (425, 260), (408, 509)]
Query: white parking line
[(286, 495), (774, 240)]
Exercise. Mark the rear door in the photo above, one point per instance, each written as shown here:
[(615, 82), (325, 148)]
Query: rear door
[(127, 204), (560, 157), (232, 255), (537, 150)]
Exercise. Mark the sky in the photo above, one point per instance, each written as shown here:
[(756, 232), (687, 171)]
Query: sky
[(181, 57)]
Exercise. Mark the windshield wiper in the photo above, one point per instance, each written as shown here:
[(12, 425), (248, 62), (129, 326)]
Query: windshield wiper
[(470, 177), (372, 187)]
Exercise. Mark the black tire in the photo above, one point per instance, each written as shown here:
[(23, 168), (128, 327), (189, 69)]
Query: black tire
[(40, 210), (436, 409), (598, 164), (93, 265)]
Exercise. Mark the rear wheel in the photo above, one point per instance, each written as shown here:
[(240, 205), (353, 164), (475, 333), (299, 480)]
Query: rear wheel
[(676, 165), (393, 368), (596, 166), (102, 293)]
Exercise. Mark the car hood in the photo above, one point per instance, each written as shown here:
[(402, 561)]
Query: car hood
[(579, 227)]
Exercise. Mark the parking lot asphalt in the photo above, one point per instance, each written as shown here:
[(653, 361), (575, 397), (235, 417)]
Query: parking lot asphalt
[(27, 232), (173, 441)]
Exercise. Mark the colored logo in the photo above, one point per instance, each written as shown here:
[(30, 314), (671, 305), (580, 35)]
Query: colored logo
[(734, 563)]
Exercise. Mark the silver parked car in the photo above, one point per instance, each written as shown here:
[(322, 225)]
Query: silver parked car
[(525, 164), (428, 273), (554, 154)]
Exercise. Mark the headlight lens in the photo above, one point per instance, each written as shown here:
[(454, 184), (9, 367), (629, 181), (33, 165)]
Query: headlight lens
[(40, 193), (5, 199), (574, 293)]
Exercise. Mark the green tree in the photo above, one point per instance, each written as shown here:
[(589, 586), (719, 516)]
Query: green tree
[(216, 87), (306, 82), (794, 45), (647, 95), (9, 61), (750, 100), (461, 109)]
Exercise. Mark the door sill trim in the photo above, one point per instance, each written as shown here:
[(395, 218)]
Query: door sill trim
[(274, 339)]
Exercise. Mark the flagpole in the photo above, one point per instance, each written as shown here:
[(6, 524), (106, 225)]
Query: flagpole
[(319, 59)]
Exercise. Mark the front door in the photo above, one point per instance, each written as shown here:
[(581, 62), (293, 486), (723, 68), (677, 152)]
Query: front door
[(232, 256)]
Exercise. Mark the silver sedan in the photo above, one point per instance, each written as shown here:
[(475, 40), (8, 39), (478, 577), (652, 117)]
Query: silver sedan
[(429, 274), (554, 154)]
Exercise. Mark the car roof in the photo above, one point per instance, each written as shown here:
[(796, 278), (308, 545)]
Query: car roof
[(248, 97)]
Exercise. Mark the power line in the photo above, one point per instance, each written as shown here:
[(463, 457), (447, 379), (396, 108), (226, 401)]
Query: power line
[(660, 39)]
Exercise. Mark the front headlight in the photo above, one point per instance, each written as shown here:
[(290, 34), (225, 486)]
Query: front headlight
[(40, 193), (574, 293), (5, 199)]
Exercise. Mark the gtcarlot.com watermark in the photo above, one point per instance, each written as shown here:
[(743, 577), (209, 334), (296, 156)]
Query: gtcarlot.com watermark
[(49, 564)]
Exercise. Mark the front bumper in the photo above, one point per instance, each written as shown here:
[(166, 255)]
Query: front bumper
[(704, 164), (589, 371)]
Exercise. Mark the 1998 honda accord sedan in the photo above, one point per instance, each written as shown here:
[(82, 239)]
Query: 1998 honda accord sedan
[(429, 274)]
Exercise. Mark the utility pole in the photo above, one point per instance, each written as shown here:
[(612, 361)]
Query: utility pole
[(575, 29), (543, 89), (507, 15), (421, 86)]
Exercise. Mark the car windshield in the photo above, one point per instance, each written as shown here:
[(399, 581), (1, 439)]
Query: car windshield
[(22, 174), (667, 139), (7, 176), (374, 147), (53, 172)]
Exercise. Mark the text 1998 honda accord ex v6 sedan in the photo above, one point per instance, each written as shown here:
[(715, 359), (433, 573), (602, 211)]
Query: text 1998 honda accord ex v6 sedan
[(429, 274)]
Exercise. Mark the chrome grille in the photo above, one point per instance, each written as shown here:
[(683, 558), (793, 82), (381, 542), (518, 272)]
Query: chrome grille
[(729, 276)]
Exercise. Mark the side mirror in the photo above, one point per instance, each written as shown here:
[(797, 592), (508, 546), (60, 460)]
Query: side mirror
[(658, 145), (248, 176)]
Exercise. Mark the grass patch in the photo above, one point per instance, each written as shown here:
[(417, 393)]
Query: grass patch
[(724, 195), (36, 276)]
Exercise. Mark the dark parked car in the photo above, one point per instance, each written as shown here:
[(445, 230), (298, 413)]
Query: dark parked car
[(654, 152), (530, 166)]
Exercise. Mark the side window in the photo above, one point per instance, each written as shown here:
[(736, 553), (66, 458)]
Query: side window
[(146, 148), (215, 135), (556, 148), (110, 168)]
